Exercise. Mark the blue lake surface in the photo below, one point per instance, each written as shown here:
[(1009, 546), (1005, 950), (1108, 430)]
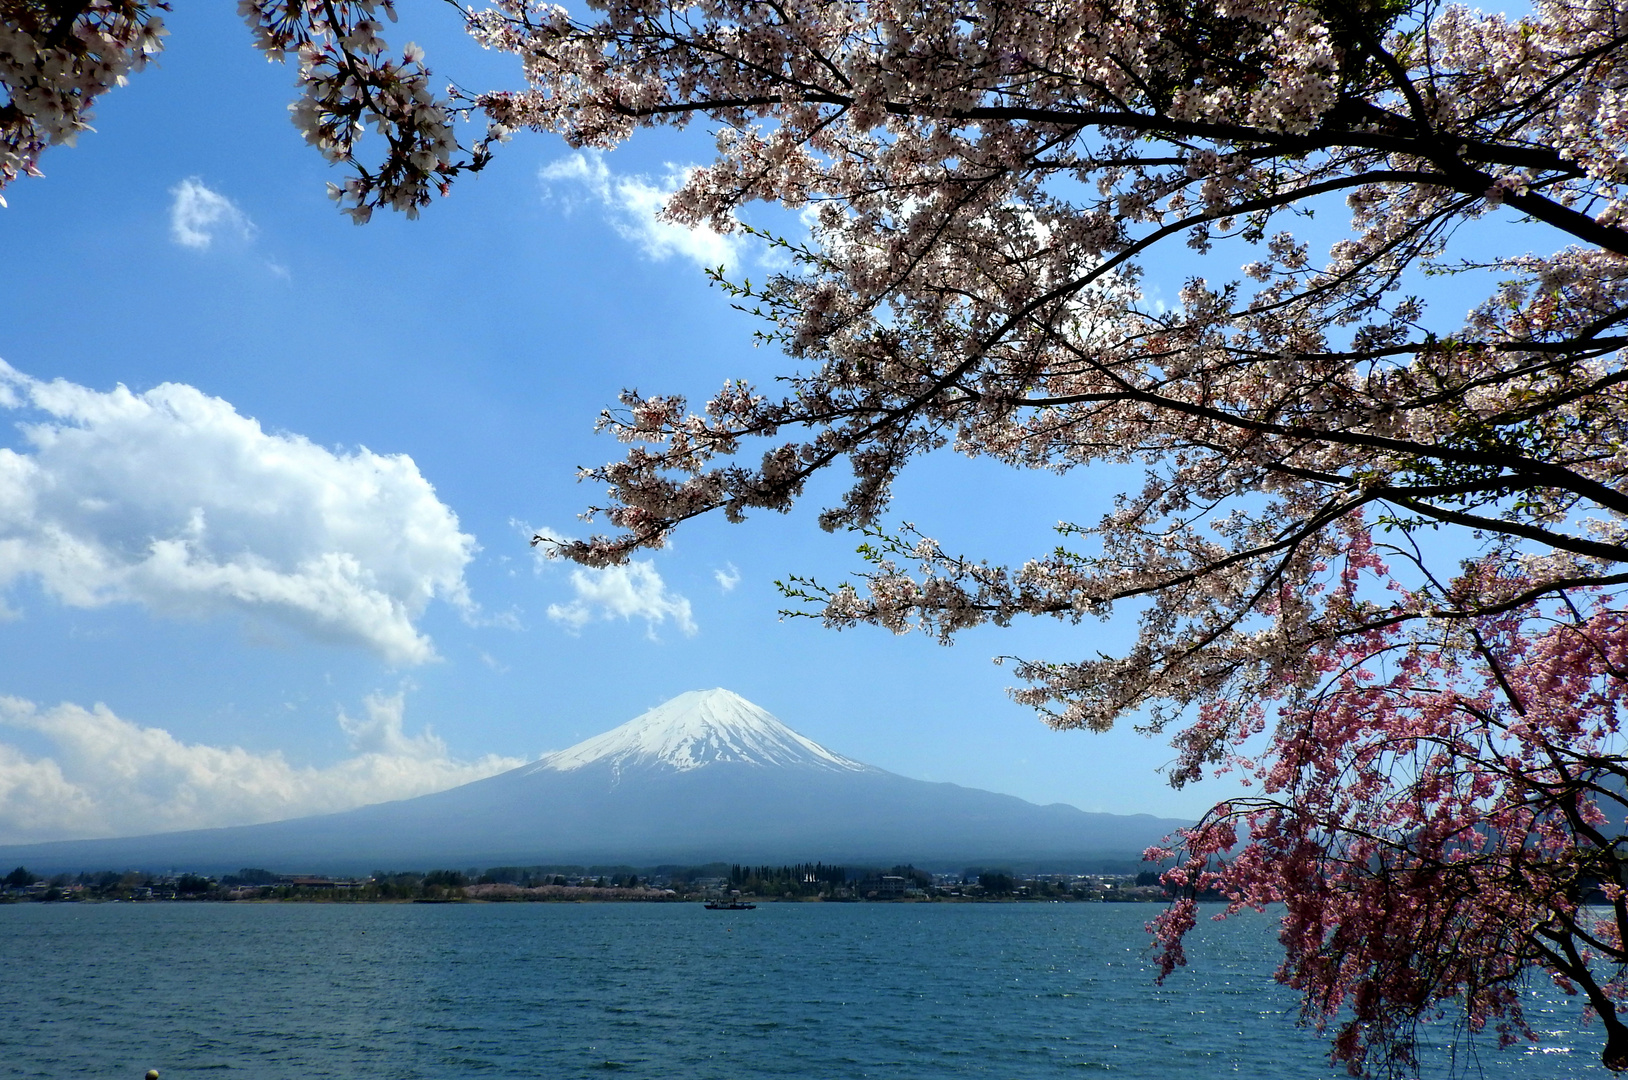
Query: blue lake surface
[(393, 992)]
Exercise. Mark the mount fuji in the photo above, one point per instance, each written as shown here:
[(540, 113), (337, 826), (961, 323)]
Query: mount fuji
[(706, 776), (694, 730)]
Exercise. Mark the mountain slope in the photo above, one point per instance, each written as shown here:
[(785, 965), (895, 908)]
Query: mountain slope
[(706, 776)]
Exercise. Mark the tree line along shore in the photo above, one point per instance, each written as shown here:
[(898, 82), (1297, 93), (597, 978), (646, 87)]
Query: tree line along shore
[(787, 882)]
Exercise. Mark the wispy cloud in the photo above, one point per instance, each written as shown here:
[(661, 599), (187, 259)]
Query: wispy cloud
[(198, 216), (634, 203), (728, 577), (172, 500), (634, 590), (106, 776)]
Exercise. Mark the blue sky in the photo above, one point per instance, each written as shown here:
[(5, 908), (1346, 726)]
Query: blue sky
[(266, 481)]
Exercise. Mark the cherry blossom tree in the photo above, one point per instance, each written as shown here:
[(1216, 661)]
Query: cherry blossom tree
[(1442, 817), (991, 187), (1377, 556)]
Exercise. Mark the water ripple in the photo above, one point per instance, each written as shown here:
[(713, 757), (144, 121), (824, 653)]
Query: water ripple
[(426, 992)]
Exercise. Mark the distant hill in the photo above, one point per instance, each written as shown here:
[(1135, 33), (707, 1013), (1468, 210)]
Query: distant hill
[(705, 776)]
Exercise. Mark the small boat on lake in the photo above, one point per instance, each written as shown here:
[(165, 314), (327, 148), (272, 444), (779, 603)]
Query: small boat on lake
[(729, 905)]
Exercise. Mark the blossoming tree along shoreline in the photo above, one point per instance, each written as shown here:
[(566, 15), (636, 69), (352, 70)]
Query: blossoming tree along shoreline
[(1437, 747), (987, 180)]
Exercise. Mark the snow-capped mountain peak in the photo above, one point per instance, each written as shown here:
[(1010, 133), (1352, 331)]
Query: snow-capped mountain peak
[(696, 729)]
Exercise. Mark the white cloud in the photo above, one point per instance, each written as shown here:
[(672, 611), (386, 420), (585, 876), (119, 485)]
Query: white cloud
[(728, 577), (634, 203), (198, 216), (632, 591), (109, 777), (172, 500)]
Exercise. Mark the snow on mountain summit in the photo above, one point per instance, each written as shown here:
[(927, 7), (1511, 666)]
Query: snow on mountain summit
[(695, 729)]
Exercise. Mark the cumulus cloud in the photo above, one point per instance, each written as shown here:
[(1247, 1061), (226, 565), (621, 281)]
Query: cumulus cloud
[(106, 776), (172, 500), (728, 577), (198, 215), (634, 203)]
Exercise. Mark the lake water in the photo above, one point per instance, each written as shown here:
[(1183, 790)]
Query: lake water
[(392, 992)]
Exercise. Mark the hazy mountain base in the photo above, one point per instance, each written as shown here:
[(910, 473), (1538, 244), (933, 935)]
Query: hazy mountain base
[(645, 817)]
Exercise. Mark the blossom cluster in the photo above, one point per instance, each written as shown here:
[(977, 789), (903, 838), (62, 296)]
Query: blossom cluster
[(56, 60), (1437, 818), (350, 80)]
